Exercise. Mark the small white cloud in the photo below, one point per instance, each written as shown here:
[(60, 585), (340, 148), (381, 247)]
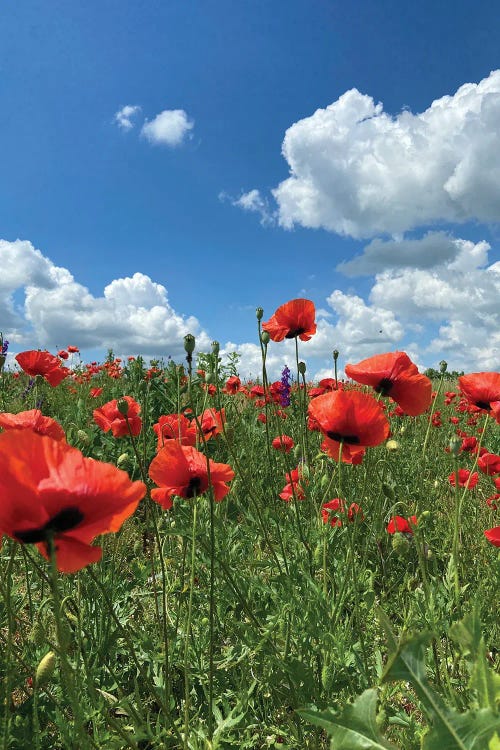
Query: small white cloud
[(254, 202), (125, 115), (168, 128)]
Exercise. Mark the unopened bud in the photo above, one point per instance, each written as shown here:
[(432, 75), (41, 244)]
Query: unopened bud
[(304, 471), (265, 338), (123, 460), (302, 368), (209, 377), (335, 355), (38, 635), (388, 491), (392, 446), (189, 343), (455, 444), (46, 668), (400, 544), (215, 347), (122, 406), (83, 437), (259, 313)]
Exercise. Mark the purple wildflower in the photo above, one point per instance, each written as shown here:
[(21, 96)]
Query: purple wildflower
[(285, 387), (4, 344)]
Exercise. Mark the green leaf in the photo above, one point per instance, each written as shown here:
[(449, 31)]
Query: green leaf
[(468, 634), (355, 728)]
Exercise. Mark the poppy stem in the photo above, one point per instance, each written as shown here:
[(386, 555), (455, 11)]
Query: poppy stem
[(187, 629), (433, 409)]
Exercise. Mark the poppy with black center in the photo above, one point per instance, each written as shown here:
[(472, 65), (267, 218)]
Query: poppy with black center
[(294, 318), (181, 470), (395, 375), (51, 493), (350, 419), (482, 389)]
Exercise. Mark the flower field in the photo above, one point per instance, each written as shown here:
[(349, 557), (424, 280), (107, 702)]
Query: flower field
[(194, 561)]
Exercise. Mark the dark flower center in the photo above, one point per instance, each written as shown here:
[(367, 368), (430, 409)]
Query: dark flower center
[(348, 439), (294, 332), (66, 519), (193, 487), (483, 405), (384, 387)]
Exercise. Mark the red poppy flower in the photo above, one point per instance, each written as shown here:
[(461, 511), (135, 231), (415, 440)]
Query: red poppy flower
[(110, 417), (233, 385), (493, 536), (75, 350), (403, 525), (181, 471), (50, 489), (465, 479), (482, 389), (283, 443), (329, 509), (32, 420), (35, 362), (351, 454), (212, 422), (491, 501), (489, 463), (395, 375), (175, 427), (469, 444), (294, 318), (63, 354), (350, 418), (96, 392)]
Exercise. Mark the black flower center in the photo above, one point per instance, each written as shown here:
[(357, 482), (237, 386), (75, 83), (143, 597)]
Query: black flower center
[(348, 439), (193, 487), (294, 332), (483, 405), (384, 387), (66, 519)]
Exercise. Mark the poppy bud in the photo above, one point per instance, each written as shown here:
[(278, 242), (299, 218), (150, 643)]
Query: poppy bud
[(215, 347), (335, 355), (443, 366), (455, 444), (302, 368), (38, 635), (324, 481), (297, 451), (388, 491), (392, 446), (189, 343), (46, 668), (122, 406), (123, 460), (83, 437), (304, 470), (265, 338), (400, 544), (328, 676), (259, 313), (209, 377)]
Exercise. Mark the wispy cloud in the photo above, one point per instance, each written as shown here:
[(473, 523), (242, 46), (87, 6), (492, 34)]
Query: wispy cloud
[(124, 117)]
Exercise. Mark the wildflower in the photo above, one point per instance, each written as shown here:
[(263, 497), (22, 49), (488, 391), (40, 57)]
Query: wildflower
[(491, 501), (113, 416), (35, 362), (233, 385), (63, 354), (489, 463), (482, 389), (95, 392), (293, 488), (49, 490), (4, 345), (350, 418), (32, 420), (493, 536), (181, 471), (212, 422), (175, 427), (283, 443), (465, 479), (329, 509), (394, 375), (73, 350), (294, 318), (403, 525), (285, 387)]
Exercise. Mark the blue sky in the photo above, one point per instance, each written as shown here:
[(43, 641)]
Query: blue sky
[(184, 216)]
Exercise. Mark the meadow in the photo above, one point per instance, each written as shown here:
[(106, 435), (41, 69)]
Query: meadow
[(284, 564)]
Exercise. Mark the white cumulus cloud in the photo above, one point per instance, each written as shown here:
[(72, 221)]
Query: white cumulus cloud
[(124, 117), (168, 128), (357, 170)]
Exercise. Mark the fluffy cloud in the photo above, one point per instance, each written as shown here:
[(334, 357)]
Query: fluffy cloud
[(254, 202), (356, 170), (168, 128), (133, 315), (125, 115)]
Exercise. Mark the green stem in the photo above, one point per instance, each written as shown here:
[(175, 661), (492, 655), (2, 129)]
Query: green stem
[(187, 629)]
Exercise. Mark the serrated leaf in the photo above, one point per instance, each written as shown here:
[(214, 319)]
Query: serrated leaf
[(468, 634), (472, 730), (355, 728)]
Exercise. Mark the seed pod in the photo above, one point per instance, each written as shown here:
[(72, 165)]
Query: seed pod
[(45, 668)]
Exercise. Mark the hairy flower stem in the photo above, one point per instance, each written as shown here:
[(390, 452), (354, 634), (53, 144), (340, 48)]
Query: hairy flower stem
[(187, 629)]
